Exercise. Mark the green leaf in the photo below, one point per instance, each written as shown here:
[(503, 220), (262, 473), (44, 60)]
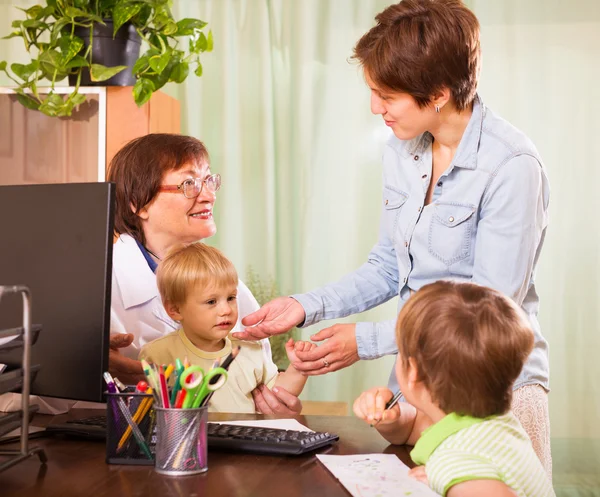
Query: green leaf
[(77, 98), (12, 35), (142, 91), (34, 24), (24, 71), (99, 72), (54, 100), (57, 29), (45, 12), (70, 46), (209, 42), (198, 71), (180, 72), (159, 62), (18, 69), (27, 101), (201, 43), (77, 61), (34, 12), (122, 13), (142, 18), (3, 65), (188, 26), (140, 64), (50, 62), (170, 28), (74, 12), (16, 24)]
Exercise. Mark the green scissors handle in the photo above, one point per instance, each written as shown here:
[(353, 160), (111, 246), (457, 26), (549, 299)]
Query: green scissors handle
[(201, 384)]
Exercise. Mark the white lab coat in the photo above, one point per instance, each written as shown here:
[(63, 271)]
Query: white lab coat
[(136, 306)]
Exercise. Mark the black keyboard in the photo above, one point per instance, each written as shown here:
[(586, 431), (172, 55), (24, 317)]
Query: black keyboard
[(265, 440), (93, 428), (233, 438)]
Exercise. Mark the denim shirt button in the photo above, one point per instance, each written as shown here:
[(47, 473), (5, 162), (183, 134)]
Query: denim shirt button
[(416, 157), (386, 202), (451, 219), (439, 184)]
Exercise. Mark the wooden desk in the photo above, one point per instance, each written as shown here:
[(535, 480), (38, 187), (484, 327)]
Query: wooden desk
[(77, 468)]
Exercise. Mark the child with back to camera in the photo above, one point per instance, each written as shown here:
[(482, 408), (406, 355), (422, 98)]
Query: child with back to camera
[(198, 288), (461, 346)]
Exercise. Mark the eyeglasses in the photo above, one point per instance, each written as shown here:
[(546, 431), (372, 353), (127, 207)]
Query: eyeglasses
[(192, 187)]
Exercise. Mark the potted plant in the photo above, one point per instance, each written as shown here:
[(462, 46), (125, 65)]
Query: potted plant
[(264, 292), (98, 41)]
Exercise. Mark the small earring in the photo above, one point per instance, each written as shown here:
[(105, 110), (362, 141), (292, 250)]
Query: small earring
[(437, 109)]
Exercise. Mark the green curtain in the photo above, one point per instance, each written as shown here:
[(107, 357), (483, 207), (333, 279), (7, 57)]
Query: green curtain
[(286, 119)]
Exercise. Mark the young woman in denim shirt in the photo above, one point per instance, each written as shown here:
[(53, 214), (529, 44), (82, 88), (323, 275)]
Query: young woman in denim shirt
[(465, 197)]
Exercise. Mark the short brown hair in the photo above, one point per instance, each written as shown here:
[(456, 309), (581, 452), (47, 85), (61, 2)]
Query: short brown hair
[(421, 46), (187, 266), (138, 169), (469, 343)]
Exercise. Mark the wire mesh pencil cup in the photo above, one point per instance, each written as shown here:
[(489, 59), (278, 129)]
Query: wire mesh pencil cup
[(130, 425), (181, 441)]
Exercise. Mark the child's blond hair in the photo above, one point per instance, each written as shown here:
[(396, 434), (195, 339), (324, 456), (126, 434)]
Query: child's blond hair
[(469, 343), (189, 266)]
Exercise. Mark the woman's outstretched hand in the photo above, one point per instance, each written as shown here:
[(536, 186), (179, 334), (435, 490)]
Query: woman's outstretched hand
[(273, 318)]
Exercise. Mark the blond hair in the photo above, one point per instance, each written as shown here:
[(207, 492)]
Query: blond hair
[(188, 266), (469, 343)]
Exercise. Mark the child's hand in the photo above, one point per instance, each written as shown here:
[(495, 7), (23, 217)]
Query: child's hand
[(291, 348), (418, 473), (370, 406)]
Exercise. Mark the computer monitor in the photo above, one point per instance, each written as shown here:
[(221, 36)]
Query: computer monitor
[(57, 240)]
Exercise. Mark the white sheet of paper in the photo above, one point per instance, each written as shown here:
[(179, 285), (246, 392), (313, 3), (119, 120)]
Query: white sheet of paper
[(375, 475), (17, 432), (7, 339), (279, 424)]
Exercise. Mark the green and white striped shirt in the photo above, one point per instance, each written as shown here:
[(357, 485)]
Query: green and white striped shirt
[(461, 448)]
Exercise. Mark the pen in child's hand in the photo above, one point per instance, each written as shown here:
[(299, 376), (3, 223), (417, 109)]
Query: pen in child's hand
[(394, 400)]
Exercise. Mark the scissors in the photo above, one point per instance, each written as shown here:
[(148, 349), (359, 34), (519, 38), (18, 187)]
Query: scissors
[(200, 384)]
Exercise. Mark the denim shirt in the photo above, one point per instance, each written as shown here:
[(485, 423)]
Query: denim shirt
[(485, 224)]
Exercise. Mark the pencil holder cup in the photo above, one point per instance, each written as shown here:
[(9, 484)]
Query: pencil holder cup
[(181, 441), (130, 427)]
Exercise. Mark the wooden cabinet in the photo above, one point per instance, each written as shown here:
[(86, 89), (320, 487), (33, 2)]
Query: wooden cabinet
[(35, 148)]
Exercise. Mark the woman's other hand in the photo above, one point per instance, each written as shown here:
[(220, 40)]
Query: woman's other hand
[(273, 318), (276, 401), (370, 407), (129, 371), (338, 352)]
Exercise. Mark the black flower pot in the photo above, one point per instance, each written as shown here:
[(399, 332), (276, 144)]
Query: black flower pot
[(122, 50)]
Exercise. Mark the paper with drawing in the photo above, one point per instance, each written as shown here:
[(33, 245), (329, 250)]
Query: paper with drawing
[(375, 475)]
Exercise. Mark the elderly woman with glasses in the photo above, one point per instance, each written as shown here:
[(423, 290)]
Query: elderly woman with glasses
[(165, 194)]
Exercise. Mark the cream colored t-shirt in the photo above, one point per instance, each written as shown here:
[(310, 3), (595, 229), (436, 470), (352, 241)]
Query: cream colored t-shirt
[(249, 369)]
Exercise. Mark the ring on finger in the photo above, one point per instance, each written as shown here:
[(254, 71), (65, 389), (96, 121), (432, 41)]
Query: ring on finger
[(325, 363)]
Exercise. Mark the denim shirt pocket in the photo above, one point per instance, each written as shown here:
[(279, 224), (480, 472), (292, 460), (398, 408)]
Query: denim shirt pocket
[(393, 200), (450, 231)]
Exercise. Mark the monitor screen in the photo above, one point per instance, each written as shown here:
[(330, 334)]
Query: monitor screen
[(57, 240)]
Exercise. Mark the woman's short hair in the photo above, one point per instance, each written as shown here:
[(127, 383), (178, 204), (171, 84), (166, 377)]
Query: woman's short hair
[(469, 343), (138, 169), (421, 46), (186, 267)]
